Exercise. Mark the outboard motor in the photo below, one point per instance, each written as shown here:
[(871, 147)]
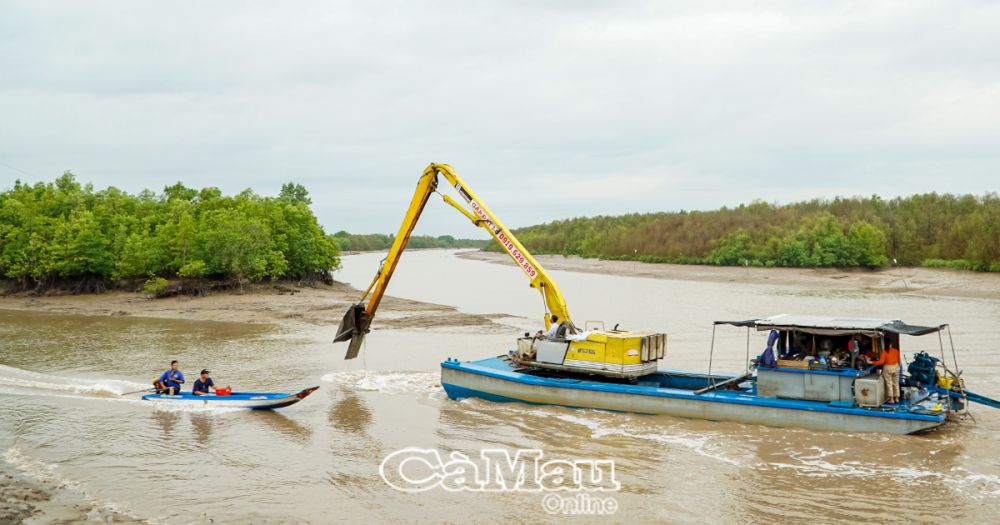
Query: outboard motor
[(923, 370)]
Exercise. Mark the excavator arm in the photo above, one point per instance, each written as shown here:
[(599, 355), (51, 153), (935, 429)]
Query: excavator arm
[(357, 320)]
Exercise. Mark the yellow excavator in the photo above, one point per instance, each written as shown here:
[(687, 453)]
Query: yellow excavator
[(565, 347)]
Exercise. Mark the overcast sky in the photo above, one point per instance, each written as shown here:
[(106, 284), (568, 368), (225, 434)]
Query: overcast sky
[(548, 109)]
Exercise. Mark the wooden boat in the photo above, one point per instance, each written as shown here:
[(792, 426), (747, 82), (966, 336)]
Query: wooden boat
[(831, 395), (247, 400)]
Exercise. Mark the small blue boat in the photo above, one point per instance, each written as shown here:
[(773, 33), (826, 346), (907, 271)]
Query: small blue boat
[(835, 393), (248, 400)]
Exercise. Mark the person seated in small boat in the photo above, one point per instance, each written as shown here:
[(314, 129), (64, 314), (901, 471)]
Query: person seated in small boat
[(202, 384), (172, 379)]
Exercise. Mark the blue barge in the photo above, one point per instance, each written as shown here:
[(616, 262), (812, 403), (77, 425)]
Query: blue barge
[(816, 377)]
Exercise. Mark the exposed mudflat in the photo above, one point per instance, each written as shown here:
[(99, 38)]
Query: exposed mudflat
[(921, 281), (316, 306), (19, 499)]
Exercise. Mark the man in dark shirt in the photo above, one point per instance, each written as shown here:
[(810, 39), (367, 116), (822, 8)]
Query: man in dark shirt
[(202, 384)]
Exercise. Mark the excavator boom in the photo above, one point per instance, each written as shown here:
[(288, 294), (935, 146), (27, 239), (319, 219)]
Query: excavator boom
[(357, 320)]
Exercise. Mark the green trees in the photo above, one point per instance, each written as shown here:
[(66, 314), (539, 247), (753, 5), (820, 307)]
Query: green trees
[(868, 244), (736, 248), (824, 241), (380, 241), (820, 241), (62, 231), (943, 230)]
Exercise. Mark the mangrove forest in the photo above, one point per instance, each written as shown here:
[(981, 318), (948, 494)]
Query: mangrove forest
[(380, 241), (936, 230), (66, 234)]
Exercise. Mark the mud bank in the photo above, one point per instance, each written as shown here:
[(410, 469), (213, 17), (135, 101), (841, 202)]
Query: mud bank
[(919, 281), (307, 306)]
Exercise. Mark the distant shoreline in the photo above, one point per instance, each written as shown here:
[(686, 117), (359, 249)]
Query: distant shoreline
[(307, 307), (910, 280)]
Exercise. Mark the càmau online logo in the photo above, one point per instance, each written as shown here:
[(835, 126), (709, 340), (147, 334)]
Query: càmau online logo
[(495, 470)]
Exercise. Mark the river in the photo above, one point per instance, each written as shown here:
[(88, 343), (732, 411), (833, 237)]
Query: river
[(64, 424)]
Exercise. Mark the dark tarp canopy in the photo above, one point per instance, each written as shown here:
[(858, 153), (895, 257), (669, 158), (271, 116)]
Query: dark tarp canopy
[(899, 327), (749, 322)]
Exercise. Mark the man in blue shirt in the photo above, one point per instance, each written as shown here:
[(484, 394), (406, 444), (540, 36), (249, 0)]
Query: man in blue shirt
[(202, 384), (172, 379)]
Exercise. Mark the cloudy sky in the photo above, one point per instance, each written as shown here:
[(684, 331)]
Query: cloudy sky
[(548, 109)]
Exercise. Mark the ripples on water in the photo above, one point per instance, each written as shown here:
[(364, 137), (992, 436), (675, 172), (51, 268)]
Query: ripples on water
[(63, 422)]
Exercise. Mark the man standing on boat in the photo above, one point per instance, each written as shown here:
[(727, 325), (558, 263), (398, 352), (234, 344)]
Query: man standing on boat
[(890, 371), (172, 379)]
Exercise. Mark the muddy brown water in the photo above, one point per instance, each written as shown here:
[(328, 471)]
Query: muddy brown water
[(63, 424)]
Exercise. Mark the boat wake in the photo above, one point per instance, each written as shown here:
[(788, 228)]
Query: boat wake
[(199, 409), (34, 381), (817, 462), (609, 424), (736, 448), (702, 443), (386, 382)]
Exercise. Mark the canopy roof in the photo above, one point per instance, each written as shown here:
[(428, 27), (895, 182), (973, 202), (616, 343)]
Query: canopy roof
[(823, 325)]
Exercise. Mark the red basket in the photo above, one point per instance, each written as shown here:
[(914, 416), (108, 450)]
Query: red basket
[(224, 391)]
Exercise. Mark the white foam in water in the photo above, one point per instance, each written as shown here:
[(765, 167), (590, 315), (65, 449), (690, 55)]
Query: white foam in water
[(976, 485), (36, 469), (386, 382), (16, 377), (699, 443), (988, 485), (42, 393), (813, 461), (203, 408), (812, 464)]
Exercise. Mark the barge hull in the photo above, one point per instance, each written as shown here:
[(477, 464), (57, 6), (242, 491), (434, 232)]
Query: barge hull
[(488, 380)]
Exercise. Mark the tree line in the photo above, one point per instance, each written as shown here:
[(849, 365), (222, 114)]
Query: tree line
[(380, 241), (61, 233), (940, 230)]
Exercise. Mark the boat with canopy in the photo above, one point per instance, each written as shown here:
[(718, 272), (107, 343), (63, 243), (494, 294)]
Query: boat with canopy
[(818, 379)]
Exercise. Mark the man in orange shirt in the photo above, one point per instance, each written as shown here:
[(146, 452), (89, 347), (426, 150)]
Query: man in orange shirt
[(890, 371)]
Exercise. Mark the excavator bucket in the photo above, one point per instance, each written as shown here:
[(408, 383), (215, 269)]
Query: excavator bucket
[(353, 328)]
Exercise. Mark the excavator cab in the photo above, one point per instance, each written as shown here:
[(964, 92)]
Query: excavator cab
[(610, 353)]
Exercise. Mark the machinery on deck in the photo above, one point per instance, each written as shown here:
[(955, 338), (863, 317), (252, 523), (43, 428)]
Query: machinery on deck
[(611, 353)]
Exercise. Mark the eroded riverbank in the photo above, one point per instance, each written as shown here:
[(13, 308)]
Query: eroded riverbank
[(931, 282)]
